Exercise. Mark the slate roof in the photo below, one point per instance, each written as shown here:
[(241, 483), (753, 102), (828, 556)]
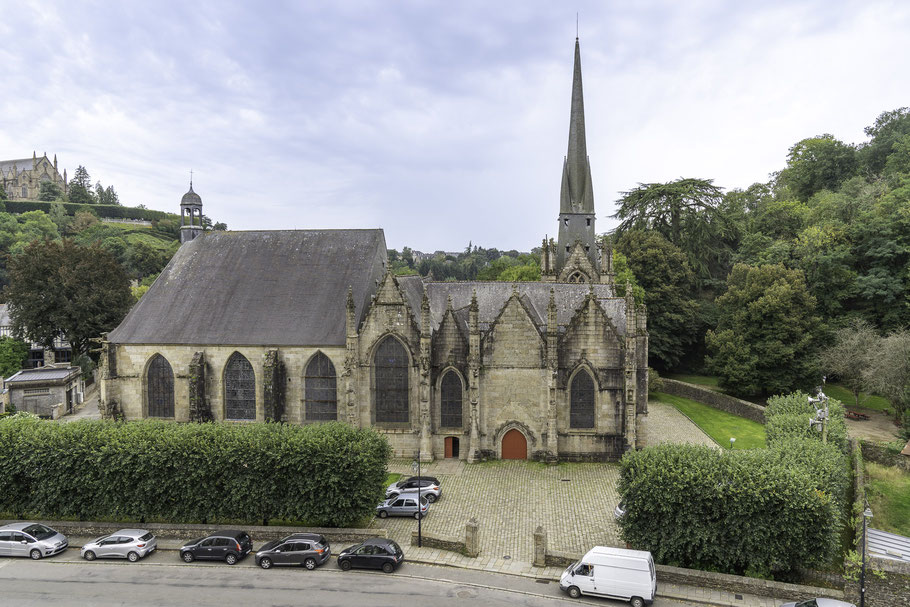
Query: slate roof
[(491, 296), (23, 164), (273, 288), (43, 374)]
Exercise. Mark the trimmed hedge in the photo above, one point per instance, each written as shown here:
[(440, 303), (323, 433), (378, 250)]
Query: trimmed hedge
[(102, 210), (756, 511), (322, 475)]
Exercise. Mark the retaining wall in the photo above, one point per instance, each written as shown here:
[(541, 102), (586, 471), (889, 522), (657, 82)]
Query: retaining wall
[(714, 399)]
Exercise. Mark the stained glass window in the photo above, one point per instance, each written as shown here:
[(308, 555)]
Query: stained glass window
[(321, 392), (581, 413), (239, 388), (391, 365), (160, 384)]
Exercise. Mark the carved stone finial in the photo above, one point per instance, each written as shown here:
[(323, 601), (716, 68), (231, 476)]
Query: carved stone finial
[(449, 303)]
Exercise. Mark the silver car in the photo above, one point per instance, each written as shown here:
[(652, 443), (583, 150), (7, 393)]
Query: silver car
[(130, 544), (33, 540), (428, 489), (403, 505)]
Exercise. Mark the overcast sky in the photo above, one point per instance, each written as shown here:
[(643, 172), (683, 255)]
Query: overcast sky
[(441, 122)]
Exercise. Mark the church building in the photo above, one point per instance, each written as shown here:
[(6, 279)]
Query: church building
[(22, 179), (309, 326)]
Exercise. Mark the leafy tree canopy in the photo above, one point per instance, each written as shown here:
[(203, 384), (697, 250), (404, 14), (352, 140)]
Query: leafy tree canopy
[(13, 353), (50, 191), (818, 163)]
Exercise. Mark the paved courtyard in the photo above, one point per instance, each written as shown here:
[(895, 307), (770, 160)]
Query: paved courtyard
[(572, 502)]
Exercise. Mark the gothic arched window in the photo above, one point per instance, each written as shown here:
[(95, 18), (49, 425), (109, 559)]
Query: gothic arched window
[(391, 395), (577, 277), (581, 412), (239, 388), (160, 386), (451, 401), (320, 388)]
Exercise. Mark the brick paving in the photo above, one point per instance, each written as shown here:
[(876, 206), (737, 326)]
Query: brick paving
[(667, 425)]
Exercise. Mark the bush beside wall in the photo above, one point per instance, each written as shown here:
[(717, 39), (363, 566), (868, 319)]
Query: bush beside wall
[(323, 475)]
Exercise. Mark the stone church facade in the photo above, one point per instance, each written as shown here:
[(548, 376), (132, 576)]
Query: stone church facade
[(309, 326), (22, 178)]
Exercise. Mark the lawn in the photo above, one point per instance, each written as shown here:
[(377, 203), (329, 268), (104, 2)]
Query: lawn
[(392, 477), (717, 424), (866, 401), (888, 492)]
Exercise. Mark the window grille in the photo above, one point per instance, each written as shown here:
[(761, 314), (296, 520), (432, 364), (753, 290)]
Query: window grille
[(36, 391), (391, 365), (321, 389), (581, 414), (160, 382), (451, 401), (239, 388)]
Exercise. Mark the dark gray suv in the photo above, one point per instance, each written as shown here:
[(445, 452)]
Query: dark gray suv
[(228, 545), (307, 549)]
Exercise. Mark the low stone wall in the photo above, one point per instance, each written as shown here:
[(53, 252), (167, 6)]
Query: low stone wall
[(714, 399), (881, 454), (442, 542), (737, 583), (257, 533)]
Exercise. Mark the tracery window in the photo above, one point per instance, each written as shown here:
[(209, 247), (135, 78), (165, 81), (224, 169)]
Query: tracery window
[(577, 277), (320, 385), (239, 388), (160, 388), (451, 401), (391, 393), (581, 411)]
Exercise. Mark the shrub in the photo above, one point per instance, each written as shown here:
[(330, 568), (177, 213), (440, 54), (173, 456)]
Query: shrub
[(101, 210), (787, 416), (326, 474)]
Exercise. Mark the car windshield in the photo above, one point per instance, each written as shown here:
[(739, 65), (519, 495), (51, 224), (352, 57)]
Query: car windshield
[(146, 537), (809, 603), (39, 532)]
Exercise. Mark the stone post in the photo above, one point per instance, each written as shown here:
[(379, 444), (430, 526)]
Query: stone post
[(540, 547), (274, 388), (473, 378), (552, 363), (471, 538), (426, 444), (350, 362), (199, 407), (631, 379)]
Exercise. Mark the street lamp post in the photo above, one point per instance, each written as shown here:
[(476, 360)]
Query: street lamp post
[(867, 514), (416, 465), (820, 421), (732, 440)]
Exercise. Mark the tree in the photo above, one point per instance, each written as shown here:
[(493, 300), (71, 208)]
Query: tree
[(80, 187), (82, 220), (62, 288), (106, 195), (818, 163), (59, 216), (662, 269), (888, 129), (767, 332), (219, 226), (13, 353), (688, 213), (889, 372), (849, 358), (49, 191)]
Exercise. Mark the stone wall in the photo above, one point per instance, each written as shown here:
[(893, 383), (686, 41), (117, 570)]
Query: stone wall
[(738, 583), (881, 454), (715, 399), (468, 546)]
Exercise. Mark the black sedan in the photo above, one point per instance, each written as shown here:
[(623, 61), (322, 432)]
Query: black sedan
[(228, 545), (376, 553)]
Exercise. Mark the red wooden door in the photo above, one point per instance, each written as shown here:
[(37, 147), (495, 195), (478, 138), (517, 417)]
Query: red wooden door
[(448, 442), (514, 445)]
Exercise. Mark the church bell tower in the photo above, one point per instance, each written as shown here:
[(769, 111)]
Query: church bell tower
[(190, 215)]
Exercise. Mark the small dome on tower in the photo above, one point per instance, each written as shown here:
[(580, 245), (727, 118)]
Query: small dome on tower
[(191, 197)]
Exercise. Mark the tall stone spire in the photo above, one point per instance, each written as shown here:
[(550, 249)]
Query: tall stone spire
[(576, 197)]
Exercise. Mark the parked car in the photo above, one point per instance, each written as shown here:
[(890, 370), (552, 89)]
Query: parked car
[(376, 553), (428, 487), (307, 549), (130, 544), (33, 540), (403, 505), (819, 602), (228, 545)]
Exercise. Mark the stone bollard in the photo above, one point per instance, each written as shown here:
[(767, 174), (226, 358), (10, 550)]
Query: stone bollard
[(540, 547), (471, 538)]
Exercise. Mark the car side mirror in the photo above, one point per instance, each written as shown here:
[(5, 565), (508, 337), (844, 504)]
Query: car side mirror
[(24, 542), (573, 573)]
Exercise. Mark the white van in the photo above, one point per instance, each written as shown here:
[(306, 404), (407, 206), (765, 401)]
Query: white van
[(614, 573)]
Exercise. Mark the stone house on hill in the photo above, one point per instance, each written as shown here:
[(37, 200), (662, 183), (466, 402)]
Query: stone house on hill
[(307, 326)]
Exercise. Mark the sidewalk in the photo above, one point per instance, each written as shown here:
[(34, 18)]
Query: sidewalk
[(443, 558)]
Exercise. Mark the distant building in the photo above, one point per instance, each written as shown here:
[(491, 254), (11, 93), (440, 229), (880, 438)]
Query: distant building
[(37, 355), (22, 178), (49, 391)]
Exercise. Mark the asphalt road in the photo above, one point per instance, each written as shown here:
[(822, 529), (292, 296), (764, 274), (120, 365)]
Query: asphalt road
[(162, 579)]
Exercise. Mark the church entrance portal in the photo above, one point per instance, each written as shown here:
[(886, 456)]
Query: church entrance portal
[(451, 446), (514, 445)]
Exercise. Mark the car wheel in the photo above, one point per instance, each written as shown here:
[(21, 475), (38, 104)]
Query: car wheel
[(265, 563), (430, 498), (345, 565), (188, 557), (231, 558), (574, 592), (388, 567), (417, 515), (35, 554), (637, 601), (383, 514), (89, 555), (132, 557), (310, 564)]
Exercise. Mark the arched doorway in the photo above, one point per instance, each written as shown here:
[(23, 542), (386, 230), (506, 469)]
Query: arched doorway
[(451, 445), (514, 445)]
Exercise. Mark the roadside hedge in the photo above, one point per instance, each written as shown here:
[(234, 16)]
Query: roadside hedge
[(755, 512), (322, 475), (102, 210)]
